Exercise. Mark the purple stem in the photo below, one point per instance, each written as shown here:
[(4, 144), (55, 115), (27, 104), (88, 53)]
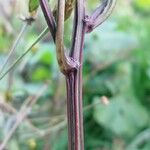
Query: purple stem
[(99, 15), (49, 17), (74, 83), (74, 78), (82, 25)]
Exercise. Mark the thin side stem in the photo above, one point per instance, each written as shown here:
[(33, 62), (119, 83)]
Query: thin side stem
[(22, 114), (49, 17), (78, 29), (100, 14), (43, 33), (23, 29), (108, 6)]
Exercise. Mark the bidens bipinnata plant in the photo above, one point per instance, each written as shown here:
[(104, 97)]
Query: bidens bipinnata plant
[(70, 64)]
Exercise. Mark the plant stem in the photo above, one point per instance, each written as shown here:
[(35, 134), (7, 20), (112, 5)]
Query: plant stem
[(23, 29), (68, 67), (74, 107), (22, 114), (25, 52), (75, 110), (74, 135), (49, 15), (74, 84)]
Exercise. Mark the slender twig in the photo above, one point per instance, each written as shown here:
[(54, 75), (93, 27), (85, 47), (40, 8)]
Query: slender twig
[(26, 107), (49, 15), (42, 133), (6, 108), (23, 29), (78, 32), (105, 13), (43, 33), (99, 15)]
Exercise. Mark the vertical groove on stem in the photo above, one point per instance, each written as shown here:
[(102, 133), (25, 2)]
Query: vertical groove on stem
[(74, 103), (73, 111), (74, 73), (74, 83), (80, 89)]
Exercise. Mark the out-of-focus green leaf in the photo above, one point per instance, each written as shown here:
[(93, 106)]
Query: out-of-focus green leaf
[(61, 143), (112, 81), (124, 116), (107, 45), (143, 4), (141, 141), (41, 66), (98, 85), (40, 73), (45, 55), (146, 146), (13, 144)]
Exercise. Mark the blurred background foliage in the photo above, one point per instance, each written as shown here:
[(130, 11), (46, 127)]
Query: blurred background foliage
[(116, 83)]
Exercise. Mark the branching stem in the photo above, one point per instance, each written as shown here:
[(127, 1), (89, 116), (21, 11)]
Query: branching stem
[(71, 66), (99, 15), (66, 63)]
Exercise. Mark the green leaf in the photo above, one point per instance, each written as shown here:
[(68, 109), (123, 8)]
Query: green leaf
[(106, 43), (124, 116), (40, 73), (44, 55), (33, 5)]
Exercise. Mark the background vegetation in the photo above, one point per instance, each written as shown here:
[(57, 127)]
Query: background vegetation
[(116, 82)]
